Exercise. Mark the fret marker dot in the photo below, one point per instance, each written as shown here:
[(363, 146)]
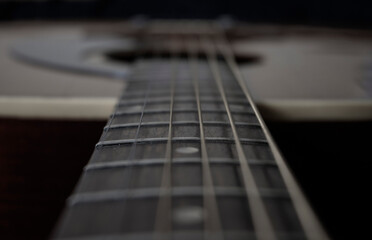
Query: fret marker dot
[(135, 108), (188, 215), (187, 150)]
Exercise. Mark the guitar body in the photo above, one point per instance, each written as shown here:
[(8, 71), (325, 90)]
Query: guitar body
[(293, 99)]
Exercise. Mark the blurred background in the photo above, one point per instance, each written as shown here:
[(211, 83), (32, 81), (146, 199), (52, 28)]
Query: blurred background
[(316, 56)]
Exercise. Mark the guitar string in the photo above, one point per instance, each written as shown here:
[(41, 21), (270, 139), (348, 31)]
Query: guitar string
[(163, 218), (132, 153), (310, 223), (212, 222), (131, 156), (142, 32), (261, 221)]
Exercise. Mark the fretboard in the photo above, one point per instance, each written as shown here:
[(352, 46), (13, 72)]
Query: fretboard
[(186, 155)]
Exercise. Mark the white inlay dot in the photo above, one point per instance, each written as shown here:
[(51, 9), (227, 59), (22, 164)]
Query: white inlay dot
[(187, 150), (188, 215), (135, 108)]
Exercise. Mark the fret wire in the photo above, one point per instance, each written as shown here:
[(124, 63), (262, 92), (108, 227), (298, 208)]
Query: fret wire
[(238, 99), (212, 221), (119, 195), (165, 100), (182, 139), (309, 221), (135, 94), (163, 219), (160, 161), (261, 221), (120, 113), (180, 123), (240, 235)]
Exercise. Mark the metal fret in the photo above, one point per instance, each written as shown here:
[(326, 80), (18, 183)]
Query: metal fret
[(196, 123), (183, 235), (161, 93), (186, 110), (161, 161), (185, 99), (262, 224), (120, 195), (179, 139)]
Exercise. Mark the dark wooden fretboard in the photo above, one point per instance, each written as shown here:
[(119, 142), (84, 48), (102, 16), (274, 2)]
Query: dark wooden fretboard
[(185, 155)]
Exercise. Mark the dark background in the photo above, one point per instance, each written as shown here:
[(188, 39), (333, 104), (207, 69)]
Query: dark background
[(315, 12)]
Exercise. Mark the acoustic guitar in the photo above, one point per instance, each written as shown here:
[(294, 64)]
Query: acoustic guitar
[(186, 154)]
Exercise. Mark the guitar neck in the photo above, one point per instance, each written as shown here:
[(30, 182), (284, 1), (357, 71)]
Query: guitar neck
[(186, 155)]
